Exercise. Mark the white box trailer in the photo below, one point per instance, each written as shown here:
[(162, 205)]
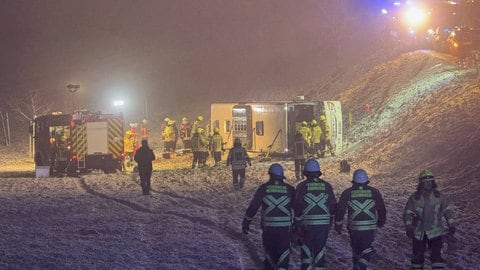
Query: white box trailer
[(271, 126)]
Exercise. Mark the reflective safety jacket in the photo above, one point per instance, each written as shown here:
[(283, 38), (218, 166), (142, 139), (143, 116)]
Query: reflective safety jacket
[(306, 133), (186, 131), (314, 203), (238, 158), (300, 149), (169, 133), (366, 208), (325, 130), (275, 197), (199, 143), (128, 145), (216, 142), (316, 134), (424, 213)]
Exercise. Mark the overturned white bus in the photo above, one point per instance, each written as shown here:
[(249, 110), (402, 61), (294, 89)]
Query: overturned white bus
[(271, 126)]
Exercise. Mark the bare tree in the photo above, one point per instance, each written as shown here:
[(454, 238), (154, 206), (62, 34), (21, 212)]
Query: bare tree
[(30, 104)]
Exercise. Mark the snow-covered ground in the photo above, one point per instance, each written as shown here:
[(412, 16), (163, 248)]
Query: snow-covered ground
[(425, 116)]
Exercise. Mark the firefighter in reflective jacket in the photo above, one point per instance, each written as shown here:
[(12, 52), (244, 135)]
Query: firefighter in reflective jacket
[(316, 138), (275, 197), (300, 153), (198, 145), (129, 147), (325, 139), (216, 146), (306, 132), (314, 208), (423, 215), (238, 158), (366, 212), (169, 136)]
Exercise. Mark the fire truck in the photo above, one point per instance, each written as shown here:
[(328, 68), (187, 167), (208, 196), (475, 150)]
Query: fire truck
[(78, 142)]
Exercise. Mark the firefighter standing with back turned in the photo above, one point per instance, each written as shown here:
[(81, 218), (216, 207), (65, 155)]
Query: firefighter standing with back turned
[(366, 212), (325, 137), (314, 207), (216, 146), (423, 215), (238, 158), (275, 197), (300, 153)]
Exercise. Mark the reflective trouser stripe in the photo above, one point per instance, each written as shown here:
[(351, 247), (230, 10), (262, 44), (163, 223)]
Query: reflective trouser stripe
[(417, 266), (439, 266)]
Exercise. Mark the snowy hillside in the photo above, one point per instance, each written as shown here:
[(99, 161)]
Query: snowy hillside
[(425, 115)]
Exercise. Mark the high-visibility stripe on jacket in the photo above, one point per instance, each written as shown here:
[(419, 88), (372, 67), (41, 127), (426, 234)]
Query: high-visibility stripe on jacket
[(275, 197), (428, 210), (300, 149), (366, 208), (238, 158), (316, 134), (314, 203), (216, 142)]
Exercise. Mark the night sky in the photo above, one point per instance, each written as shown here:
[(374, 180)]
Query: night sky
[(167, 50)]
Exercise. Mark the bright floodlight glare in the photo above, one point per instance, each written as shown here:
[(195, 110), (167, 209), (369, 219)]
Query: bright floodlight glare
[(384, 11), (117, 103), (415, 16)]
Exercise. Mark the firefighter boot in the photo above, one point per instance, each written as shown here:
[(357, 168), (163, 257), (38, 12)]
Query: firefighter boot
[(242, 182)]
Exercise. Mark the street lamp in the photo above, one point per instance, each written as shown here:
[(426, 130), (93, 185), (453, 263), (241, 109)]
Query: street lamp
[(73, 88)]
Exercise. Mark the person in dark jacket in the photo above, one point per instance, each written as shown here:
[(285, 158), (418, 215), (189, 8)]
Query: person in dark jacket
[(314, 208), (300, 153), (275, 197), (238, 158), (144, 157), (423, 217), (366, 212)]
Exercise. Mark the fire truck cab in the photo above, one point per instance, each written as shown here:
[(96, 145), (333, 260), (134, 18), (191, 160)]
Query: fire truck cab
[(79, 142)]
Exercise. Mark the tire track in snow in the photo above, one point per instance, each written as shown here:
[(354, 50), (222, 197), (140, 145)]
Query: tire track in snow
[(237, 238)]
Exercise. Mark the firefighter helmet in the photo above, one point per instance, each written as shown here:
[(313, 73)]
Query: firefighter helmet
[(167, 119), (311, 166), (304, 124), (200, 118), (237, 141), (184, 119), (426, 175), (216, 130), (314, 122), (323, 118), (360, 176), (199, 130), (170, 122), (276, 170)]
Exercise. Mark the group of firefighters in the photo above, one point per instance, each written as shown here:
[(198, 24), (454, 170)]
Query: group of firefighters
[(317, 136), (303, 216)]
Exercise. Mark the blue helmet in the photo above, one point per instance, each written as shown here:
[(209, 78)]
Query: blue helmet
[(276, 170), (360, 176), (311, 166)]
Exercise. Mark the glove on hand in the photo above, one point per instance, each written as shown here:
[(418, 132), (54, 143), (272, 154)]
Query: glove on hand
[(297, 234), (451, 230), (410, 233), (245, 226), (338, 228)]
